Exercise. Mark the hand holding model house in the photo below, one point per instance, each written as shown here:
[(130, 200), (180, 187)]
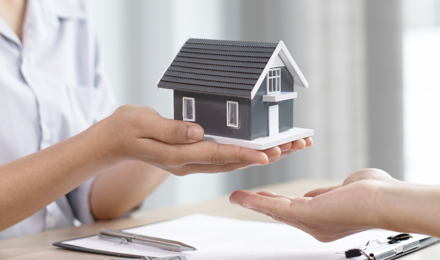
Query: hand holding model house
[(177, 146), (240, 92)]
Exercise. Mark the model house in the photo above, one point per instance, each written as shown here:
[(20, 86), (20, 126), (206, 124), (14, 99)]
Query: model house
[(235, 89)]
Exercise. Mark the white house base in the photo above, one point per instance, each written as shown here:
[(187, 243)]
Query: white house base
[(264, 143)]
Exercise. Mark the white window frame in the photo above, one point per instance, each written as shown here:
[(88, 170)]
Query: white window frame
[(184, 109), (227, 114), (274, 77)]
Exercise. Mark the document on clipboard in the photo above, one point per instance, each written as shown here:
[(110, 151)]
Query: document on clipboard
[(225, 238)]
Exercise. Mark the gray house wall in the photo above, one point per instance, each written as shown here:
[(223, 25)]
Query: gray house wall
[(210, 113), (260, 109)]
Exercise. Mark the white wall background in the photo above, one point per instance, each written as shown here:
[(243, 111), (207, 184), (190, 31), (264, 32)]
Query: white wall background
[(422, 90), (328, 40)]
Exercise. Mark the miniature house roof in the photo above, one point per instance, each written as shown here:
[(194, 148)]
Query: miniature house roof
[(230, 68)]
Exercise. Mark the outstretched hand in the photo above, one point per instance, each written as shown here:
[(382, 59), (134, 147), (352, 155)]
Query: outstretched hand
[(327, 213), (141, 133)]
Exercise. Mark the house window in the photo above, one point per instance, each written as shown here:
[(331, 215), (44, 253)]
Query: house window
[(232, 113), (189, 112), (274, 81)]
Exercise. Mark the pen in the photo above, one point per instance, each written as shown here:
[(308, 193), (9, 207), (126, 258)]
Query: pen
[(125, 237)]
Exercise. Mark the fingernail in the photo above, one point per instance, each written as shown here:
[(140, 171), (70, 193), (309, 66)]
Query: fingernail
[(195, 133)]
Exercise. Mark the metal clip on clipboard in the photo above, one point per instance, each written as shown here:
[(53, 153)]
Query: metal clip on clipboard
[(394, 246), (125, 237)]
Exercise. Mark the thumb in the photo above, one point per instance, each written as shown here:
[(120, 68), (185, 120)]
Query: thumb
[(175, 132), (319, 191)]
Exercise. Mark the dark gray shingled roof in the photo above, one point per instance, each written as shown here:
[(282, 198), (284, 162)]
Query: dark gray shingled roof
[(218, 67)]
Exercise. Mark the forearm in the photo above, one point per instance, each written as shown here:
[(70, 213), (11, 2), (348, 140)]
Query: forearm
[(123, 187), (131, 133), (409, 207), (29, 184)]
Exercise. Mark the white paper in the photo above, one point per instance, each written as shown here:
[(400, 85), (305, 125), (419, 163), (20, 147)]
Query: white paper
[(232, 239)]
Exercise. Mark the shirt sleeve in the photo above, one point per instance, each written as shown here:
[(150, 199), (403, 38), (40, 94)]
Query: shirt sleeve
[(104, 105), (79, 200)]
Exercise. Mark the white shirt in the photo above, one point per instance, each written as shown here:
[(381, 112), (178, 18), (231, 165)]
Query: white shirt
[(51, 88)]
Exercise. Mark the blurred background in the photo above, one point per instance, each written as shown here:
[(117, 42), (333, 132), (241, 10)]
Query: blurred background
[(372, 65)]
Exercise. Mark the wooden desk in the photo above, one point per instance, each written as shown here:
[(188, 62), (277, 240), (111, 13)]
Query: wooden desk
[(39, 246)]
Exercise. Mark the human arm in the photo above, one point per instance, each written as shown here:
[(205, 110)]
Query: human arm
[(368, 198), (131, 133), (72, 95), (123, 187)]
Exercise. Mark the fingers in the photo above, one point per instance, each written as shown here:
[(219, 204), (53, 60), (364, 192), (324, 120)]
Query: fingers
[(291, 147), (203, 152), (298, 144), (274, 195), (285, 147), (326, 218), (171, 131), (207, 152), (309, 141), (276, 206), (267, 193), (283, 154), (273, 152), (320, 191), (238, 196)]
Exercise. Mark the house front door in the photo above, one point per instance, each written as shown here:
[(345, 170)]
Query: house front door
[(274, 119)]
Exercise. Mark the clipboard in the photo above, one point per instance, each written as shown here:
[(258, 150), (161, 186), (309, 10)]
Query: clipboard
[(61, 244), (429, 241), (395, 247), (423, 244), (99, 252), (238, 239)]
